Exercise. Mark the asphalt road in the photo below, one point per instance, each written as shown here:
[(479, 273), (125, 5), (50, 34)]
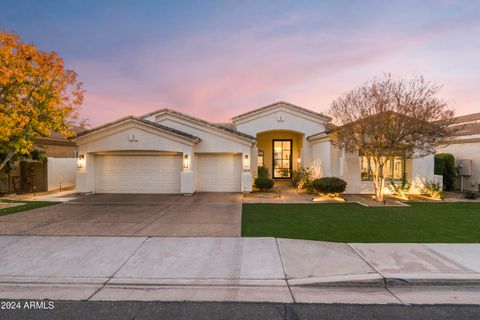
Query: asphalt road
[(232, 311)]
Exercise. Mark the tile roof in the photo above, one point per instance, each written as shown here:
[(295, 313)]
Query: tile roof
[(466, 125), (211, 124), (150, 123)]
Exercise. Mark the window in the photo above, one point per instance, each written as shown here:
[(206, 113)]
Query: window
[(282, 159), (260, 159), (394, 168)]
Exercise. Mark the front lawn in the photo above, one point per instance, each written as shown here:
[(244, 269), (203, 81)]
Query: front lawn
[(351, 222), (27, 205)]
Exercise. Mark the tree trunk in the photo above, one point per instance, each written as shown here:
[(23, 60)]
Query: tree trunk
[(9, 156), (379, 181)]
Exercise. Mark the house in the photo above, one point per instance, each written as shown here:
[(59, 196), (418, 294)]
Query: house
[(55, 172), (464, 145), (166, 151)]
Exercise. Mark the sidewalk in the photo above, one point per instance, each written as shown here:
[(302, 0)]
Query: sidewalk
[(237, 269), (60, 196)]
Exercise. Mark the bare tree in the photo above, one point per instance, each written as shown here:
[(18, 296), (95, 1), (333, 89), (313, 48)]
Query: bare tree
[(386, 117)]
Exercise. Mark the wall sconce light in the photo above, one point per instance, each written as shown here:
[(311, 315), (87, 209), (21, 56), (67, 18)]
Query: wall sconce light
[(299, 160), (185, 161), (81, 161), (246, 163)]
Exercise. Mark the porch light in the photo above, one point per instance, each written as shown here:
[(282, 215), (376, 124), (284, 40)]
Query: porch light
[(185, 161), (81, 161), (299, 160), (246, 163)]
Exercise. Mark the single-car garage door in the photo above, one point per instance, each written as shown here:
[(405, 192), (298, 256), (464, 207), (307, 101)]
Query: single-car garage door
[(137, 173), (219, 172)]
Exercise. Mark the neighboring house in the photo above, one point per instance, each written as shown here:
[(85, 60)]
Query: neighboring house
[(56, 172), (166, 151), (465, 147)]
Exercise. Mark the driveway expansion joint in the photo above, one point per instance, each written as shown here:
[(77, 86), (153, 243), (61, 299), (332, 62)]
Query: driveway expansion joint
[(119, 268)]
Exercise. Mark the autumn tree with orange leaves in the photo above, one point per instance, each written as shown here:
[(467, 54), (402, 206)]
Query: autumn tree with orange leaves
[(38, 96)]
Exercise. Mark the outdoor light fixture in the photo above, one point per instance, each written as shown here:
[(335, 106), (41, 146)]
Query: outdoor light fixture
[(81, 161), (185, 161), (299, 160), (247, 162)]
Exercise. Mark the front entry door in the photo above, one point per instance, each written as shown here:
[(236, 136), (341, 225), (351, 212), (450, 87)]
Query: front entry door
[(282, 159)]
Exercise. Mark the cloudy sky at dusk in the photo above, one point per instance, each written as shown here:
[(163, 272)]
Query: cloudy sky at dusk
[(216, 59)]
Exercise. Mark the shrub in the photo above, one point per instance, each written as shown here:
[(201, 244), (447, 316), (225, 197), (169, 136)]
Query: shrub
[(432, 189), (303, 179), (401, 189), (445, 166), (329, 185), (263, 172), (471, 195), (263, 183)]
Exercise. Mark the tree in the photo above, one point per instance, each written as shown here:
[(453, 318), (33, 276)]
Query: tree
[(387, 117), (38, 96)]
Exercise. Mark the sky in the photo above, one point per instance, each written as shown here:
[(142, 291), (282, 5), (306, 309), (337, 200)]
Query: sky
[(217, 59)]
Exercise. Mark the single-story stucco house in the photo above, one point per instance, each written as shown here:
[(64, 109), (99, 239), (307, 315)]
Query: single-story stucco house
[(166, 151)]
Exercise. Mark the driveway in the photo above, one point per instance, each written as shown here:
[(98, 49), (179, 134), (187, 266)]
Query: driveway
[(202, 214)]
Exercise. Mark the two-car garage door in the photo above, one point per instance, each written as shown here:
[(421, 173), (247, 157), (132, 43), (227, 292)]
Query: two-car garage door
[(161, 173), (137, 173)]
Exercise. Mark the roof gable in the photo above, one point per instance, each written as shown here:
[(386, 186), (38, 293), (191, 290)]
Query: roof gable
[(202, 122), (150, 124), (279, 105)]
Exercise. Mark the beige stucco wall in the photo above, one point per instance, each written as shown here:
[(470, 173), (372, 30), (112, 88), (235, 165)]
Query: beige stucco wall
[(61, 173), (280, 118)]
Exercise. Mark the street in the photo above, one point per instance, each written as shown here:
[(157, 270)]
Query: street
[(232, 311)]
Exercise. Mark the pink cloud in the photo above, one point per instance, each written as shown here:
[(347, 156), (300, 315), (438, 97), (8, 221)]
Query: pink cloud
[(215, 76)]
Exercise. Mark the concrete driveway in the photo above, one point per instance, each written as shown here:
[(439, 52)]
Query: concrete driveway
[(202, 214)]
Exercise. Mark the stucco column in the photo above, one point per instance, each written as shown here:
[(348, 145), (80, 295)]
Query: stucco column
[(254, 160), (186, 176), (85, 176), (305, 154), (246, 178)]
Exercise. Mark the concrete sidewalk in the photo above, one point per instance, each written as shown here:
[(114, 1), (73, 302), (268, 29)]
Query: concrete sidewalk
[(236, 269)]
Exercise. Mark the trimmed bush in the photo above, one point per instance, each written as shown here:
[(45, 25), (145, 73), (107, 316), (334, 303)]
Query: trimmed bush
[(329, 185), (264, 183), (445, 166), (432, 189), (263, 172), (401, 190), (471, 195), (303, 179)]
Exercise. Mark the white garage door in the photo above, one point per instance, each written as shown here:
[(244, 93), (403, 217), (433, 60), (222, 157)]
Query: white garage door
[(219, 173), (137, 173)]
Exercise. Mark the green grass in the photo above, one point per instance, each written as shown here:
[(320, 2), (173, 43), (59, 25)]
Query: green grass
[(28, 205), (351, 222)]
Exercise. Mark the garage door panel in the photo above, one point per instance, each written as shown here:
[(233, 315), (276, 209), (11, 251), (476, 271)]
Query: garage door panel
[(137, 174), (219, 173)]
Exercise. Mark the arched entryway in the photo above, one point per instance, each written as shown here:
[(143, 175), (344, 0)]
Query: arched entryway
[(280, 152)]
